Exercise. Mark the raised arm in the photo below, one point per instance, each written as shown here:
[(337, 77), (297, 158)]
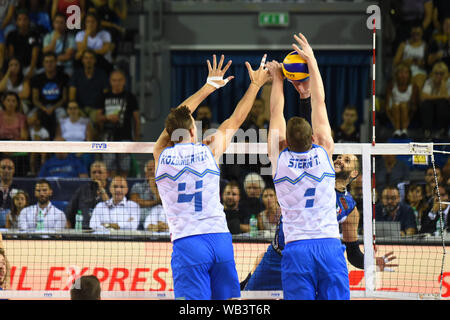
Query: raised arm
[(319, 117), (221, 139), (214, 81)]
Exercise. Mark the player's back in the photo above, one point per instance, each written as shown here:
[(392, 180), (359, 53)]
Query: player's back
[(188, 181), (304, 183)]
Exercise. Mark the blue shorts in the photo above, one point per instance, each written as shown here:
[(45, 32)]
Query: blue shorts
[(267, 275), (203, 268), (315, 269)]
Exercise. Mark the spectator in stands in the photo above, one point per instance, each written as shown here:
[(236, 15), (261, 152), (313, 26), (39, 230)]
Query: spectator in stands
[(61, 6), (118, 212), (402, 100), (88, 195), (49, 92), (19, 201), (412, 53), (268, 218), (439, 49), (146, 194), (86, 288), (4, 270), (415, 198), (7, 188), (7, 11), (53, 217), (348, 131), (63, 165), (62, 43), (432, 214), (24, 43), (74, 127), (96, 39), (156, 220), (204, 115), (39, 17), (250, 204), (391, 209), (38, 133), (119, 120), (230, 200), (14, 80), (430, 182), (87, 85), (389, 170), (441, 11), (13, 123), (435, 102)]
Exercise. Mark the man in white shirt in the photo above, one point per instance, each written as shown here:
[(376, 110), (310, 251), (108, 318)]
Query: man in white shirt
[(53, 218), (118, 212)]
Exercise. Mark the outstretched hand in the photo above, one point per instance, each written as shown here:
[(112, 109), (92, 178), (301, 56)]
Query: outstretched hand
[(383, 262), (261, 75), (306, 51), (216, 73), (275, 70)]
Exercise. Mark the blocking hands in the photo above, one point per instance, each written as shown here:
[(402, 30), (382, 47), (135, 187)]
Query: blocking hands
[(259, 76), (216, 72)]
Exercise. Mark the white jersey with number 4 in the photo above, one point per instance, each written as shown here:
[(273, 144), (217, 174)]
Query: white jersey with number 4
[(304, 184), (188, 181)]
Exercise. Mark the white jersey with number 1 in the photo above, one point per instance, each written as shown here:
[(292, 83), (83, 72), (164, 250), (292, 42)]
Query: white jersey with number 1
[(188, 181), (304, 184)]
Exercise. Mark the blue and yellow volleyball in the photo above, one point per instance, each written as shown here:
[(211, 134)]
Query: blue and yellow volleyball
[(295, 67)]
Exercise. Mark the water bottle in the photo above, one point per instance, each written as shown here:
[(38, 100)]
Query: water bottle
[(40, 221), (253, 226), (79, 221), (438, 231)]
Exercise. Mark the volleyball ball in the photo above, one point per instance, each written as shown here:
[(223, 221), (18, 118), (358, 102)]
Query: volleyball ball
[(295, 67)]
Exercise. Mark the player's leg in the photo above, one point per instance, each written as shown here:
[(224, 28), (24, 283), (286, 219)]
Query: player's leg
[(267, 275), (333, 273), (298, 272)]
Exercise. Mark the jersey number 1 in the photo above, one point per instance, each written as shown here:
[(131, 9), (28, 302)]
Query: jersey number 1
[(311, 192), (186, 197)]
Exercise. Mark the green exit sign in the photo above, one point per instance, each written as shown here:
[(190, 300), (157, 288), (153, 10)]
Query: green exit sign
[(273, 19)]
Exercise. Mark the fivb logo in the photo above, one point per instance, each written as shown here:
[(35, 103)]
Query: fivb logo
[(73, 20), (375, 18)]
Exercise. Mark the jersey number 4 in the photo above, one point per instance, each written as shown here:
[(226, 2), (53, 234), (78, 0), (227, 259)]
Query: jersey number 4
[(186, 197)]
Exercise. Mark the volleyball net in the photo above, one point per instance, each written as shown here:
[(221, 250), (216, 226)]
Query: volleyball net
[(88, 228)]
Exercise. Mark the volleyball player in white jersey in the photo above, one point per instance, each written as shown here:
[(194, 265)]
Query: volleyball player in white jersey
[(313, 265), (188, 176)]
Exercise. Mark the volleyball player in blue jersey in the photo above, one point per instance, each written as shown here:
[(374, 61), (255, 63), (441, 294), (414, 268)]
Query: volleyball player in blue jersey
[(313, 264), (188, 176)]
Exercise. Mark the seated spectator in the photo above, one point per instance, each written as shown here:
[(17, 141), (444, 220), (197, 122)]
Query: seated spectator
[(49, 94), (39, 17), (7, 186), (61, 6), (156, 220), (434, 102), (53, 217), (250, 204), (146, 194), (414, 197), (87, 85), (439, 49), (63, 165), (62, 43), (391, 209), (38, 133), (4, 270), (441, 10), (118, 212), (119, 120), (268, 218), (412, 53), (430, 182), (230, 200), (19, 201), (7, 12), (389, 170), (204, 115), (13, 123), (88, 195), (402, 100), (95, 39), (432, 214), (24, 43), (347, 131), (74, 127), (14, 80), (86, 288)]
